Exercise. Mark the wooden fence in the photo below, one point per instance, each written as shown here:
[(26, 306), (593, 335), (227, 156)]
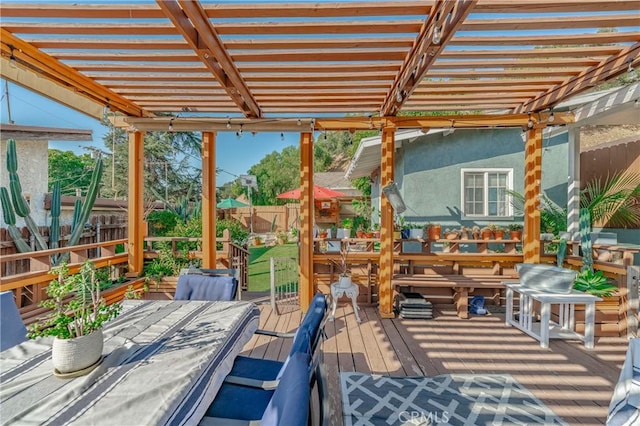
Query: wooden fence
[(103, 228), (267, 218)]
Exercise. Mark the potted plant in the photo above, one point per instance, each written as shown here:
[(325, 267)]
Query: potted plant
[(595, 283), (450, 234), (498, 232), (78, 313), (257, 241), (376, 230), (347, 226), (486, 233), (464, 233), (282, 237), (344, 280), (475, 232), (515, 231), (416, 231)]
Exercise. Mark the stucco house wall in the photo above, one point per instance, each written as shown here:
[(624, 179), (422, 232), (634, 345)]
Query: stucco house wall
[(33, 169), (428, 171)]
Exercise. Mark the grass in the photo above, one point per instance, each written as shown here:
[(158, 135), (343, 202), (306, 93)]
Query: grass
[(259, 259)]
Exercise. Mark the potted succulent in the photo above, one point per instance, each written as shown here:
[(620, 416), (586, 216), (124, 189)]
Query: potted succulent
[(450, 234), (416, 231), (344, 280), (78, 313), (464, 233), (475, 232), (498, 232), (595, 283), (515, 231), (486, 233)]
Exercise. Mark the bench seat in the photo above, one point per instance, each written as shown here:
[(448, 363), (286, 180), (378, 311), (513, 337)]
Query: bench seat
[(461, 286)]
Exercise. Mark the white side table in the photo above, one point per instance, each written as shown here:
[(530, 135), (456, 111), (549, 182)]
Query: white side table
[(548, 329), (351, 292)]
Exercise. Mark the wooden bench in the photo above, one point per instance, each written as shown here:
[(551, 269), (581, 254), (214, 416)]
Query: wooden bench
[(461, 286)]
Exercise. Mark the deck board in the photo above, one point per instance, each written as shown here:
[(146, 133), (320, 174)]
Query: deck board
[(575, 383)]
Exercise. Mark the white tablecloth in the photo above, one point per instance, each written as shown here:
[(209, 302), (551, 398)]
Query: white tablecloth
[(164, 361)]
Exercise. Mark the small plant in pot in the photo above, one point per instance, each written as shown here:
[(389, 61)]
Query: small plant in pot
[(515, 231), (344, 280), (594, 283), (78, 313)]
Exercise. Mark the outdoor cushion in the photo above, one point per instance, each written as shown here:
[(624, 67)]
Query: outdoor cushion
[(205, 287), (12, 329)]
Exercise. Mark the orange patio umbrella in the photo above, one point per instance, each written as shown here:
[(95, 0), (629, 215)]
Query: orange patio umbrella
[(319, 193)]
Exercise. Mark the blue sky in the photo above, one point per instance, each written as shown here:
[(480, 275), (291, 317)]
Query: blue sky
[(233, 155)]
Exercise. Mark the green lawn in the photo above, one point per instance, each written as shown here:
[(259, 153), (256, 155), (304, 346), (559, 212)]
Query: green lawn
[(259, 259)]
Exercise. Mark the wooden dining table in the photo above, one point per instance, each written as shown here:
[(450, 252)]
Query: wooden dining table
[(163, 363)]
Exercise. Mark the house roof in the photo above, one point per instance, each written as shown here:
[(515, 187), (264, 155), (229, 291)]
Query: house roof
[(612, 106), (336, 181), (14, 131), (309, 58)]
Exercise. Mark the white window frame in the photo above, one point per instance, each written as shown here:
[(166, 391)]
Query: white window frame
[(486, 171)]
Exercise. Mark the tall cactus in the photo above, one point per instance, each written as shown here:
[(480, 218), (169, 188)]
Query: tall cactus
[(20, 205), (10, 220), (585, 239), (562, 251), (81, 214)]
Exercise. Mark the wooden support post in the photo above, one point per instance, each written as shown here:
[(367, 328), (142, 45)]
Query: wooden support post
[(208, 200), (136, 203), (532, 193), (385, 286), (306, 221), (573, 190)]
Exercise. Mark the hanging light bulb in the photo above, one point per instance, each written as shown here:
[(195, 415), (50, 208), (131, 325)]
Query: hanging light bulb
[(437, 35), (399, 96), (239, 132), (630, 67), (325, 135), (282, 136), (12, 59), (552, 117), (370, 122), (312, 124), (530, 122), (171, 125), (450, 130), (299, 122), (228, 123)]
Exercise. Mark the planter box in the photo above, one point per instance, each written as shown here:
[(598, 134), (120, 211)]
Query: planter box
[(163, 289), (610, 317)]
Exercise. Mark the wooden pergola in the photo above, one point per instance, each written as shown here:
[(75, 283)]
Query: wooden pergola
[(285, 67)]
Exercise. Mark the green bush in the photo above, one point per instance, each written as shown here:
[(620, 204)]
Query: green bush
[(239, 234), (162, 222), (168, 264)]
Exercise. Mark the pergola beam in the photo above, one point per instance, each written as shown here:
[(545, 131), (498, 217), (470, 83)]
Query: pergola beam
[(606, 69), (54, 70), (189, 124), (446, 18), (191, 21)]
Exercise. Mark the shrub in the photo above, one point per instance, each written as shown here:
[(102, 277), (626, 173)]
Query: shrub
[(162, 222)]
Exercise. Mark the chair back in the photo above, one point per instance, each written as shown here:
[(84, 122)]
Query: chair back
[(624, 408), (313, 320), (12, 329), (205, 287), (289, 404)]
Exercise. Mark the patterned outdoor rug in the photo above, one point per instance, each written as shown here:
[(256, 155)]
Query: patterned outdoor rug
[(448, 399)]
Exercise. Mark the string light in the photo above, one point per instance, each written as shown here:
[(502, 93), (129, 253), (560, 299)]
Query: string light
[(450, 130), (530, 122), (325, 135), (630, 67), (239, 132), (282, 136), (12, 59), (228, 123), (171, 125), (312, 124), (552, 117), (370, 122), (437, 35), (299, 122), (399, 96)]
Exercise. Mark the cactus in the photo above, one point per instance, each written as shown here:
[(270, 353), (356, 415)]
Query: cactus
[(21, 208), (54, 231), (562, 251), (20, 205), (10, 220), (585, 239)]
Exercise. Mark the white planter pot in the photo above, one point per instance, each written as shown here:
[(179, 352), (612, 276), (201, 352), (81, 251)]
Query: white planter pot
[(344, 281), (416, 233), (71, 355)]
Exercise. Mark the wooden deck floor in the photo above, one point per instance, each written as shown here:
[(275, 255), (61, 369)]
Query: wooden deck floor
[(575, 383)]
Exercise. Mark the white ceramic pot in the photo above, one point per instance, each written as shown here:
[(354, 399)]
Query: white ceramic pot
[(70, 355), (416, 233), (344, 281)]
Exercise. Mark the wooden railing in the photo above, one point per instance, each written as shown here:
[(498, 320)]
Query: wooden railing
[(29, 287), (231, 255)]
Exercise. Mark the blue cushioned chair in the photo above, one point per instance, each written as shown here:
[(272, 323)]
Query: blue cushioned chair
[(288, 405), (264, 373), (12, 329), (207, 284)]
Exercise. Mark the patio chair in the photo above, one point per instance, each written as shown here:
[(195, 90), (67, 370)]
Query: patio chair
[(12, 329), (207, 284), (265, 373), (288, 405), (624, 409)]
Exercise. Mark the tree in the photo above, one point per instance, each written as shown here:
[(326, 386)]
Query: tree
[(71, 170), (172, 165)]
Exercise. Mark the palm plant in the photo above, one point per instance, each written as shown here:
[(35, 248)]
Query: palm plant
[(614, 201)]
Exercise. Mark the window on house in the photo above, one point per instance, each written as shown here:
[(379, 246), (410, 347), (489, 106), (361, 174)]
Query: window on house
[(484, 192)]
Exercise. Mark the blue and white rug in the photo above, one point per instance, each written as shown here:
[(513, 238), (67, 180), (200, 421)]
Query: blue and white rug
[(448, 399)]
